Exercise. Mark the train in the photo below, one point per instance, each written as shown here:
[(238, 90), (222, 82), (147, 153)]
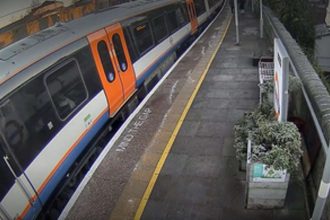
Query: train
[(63, 86)]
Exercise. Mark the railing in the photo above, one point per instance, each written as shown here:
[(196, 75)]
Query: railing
[(317, 99), (315, 93)]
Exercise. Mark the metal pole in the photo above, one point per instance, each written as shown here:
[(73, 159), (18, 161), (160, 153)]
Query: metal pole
[(252, 5), (261, 21), (323, 190), (236, 22)]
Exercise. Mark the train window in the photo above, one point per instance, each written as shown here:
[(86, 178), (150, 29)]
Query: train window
[(172, 22), (191, 15), (143, 37), (88, 70), (179, 12), (159, 28), (184, 12), (7, 178), (119, 52), (103, 50), (66, 88), (212, 3), (175, 19), (200, 7), (28, 120), (130, 44)]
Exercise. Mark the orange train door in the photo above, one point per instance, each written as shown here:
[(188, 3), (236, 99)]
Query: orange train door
[(192, 15), (122, 59), (118, 81)]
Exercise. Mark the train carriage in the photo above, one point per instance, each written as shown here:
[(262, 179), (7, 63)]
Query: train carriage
[(64, 85)]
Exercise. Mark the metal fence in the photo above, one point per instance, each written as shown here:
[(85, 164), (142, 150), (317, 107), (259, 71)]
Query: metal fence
[(312, 108)]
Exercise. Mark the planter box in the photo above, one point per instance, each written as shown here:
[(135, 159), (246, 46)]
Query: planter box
[(265, 192)]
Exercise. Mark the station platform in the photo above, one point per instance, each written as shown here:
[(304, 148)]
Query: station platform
[(175, 159)]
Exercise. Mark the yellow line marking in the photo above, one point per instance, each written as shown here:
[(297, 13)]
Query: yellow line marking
[(169, 145)]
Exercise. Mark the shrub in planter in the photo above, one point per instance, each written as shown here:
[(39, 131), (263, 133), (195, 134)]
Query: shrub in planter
[(263, 114), (276, 150), (277, 145), (247, 124)]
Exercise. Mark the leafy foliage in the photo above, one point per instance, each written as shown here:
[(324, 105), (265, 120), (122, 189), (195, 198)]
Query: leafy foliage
[(296, 17), (274, 144), (278, 145), (267, 89), (247, 125)]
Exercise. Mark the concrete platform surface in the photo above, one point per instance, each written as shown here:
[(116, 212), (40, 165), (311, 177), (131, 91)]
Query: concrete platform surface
[(200, 178)]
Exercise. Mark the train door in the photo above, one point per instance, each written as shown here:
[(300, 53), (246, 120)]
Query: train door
[(192, 15), (114, 65), (14, 182), (122, 59)]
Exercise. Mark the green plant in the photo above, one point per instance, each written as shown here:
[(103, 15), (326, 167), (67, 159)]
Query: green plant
[(277, 144), (294, 84), (296, 17), (268, 86), (247, 125), (274, 144), (267, 89)]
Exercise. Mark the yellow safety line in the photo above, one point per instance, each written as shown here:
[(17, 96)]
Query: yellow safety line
[(169, 145)]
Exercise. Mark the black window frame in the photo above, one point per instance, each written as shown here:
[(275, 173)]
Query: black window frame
[(55, 69)]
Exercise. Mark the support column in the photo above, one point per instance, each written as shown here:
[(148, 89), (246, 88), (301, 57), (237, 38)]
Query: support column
[(261, 21), (323, 189), (327, 17), (236, 22)]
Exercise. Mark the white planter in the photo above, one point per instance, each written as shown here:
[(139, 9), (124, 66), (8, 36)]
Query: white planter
[(265, 192), (266, 188)]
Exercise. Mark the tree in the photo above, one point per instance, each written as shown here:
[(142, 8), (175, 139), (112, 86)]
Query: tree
[(296, 17)]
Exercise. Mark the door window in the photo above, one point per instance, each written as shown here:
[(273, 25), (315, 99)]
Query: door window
[(103, 51), (119, 52)]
